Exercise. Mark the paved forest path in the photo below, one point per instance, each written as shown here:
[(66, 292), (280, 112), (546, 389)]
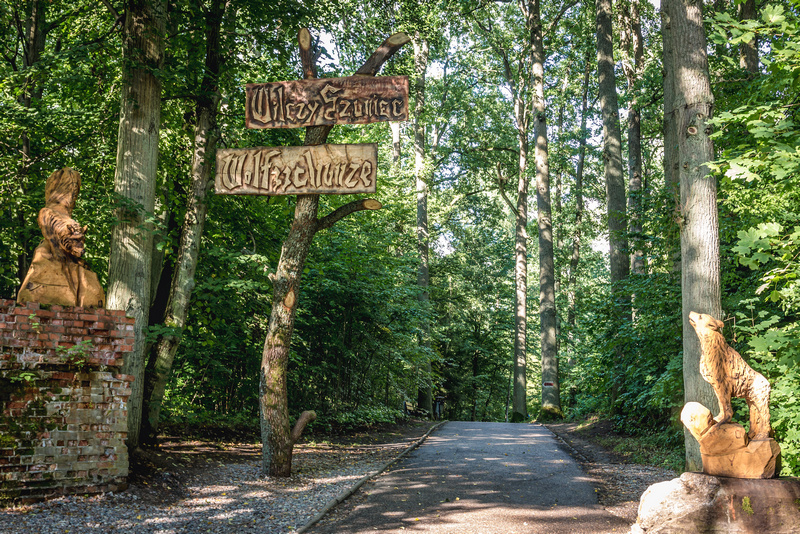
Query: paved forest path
[(481, 478)]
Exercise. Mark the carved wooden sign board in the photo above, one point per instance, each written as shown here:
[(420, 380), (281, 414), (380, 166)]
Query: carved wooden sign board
[(297, 170), (323, 169), (326, 101)]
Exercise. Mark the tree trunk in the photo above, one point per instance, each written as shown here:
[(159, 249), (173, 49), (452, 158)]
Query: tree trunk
[(615, 183), (424, 395), (276, 439), (700, 275), (748, 52), (575, 258), (633, 48), (135, 182), (519, 403), (205, 140), (34, 40), (275, 434), (551, 403), (396, 147), (671, 175)]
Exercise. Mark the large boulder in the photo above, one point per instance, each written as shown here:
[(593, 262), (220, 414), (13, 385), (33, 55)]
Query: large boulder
[(700, 503)]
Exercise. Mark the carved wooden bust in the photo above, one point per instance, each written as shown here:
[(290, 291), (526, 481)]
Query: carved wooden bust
[(58, 274)]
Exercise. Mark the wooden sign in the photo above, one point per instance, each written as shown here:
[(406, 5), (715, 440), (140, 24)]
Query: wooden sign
[(316, 102), (297, 170)]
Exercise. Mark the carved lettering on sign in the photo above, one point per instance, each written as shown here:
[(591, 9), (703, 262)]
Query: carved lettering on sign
[(297, 170), (351, 100)]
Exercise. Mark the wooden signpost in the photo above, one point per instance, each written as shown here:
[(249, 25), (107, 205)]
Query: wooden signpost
[(318, 102), (307, 171), (322, 169), (297, 170)]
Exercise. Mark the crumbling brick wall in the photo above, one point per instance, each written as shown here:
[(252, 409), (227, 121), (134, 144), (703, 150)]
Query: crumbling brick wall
[(63, 416)]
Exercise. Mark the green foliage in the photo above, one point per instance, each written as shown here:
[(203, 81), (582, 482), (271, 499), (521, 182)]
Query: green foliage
[(758, 130), (660, 448), (359, 418), (746, 506), (77, 355)]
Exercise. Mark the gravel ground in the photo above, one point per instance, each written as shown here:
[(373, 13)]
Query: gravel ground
[(220, 496), (196, 487)]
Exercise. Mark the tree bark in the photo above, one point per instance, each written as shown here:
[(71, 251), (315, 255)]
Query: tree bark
[(396, 146), (748, 52), (671, 175), (277, 441), (421, 52), (203, 157), (33, 35), (135, 182), (551, 403), (691, 110), (519, 403), (615, 183), (575, 257), (633, 48)]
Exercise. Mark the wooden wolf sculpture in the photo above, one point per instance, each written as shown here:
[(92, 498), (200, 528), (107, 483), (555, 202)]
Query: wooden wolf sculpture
[(58, 274), (729, 375)]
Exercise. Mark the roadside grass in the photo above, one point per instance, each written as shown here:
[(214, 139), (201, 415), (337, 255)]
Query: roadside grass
[(657, 450)]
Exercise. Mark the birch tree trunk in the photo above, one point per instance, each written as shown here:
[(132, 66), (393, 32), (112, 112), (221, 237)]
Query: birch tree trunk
[(691, 110), (134, 182), (421, 52), (551, 402), (205, 141)]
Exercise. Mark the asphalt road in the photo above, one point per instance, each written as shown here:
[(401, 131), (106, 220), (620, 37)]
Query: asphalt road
[(482, 478)]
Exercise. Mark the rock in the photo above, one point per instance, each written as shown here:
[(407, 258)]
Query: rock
[(700, 503)]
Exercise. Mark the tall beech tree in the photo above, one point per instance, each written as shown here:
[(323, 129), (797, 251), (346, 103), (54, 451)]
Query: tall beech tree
[(421, 54), (690, 110), (518, 80), (32, 29), (277, 440), (551, 399), (206, 135), (615, 182), (633, 52), (129, 265)]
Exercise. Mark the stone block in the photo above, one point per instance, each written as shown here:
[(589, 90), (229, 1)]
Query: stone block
[(700, 503)]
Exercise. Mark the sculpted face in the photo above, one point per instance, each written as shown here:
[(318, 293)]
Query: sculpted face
[(702, 322), (74, 244)]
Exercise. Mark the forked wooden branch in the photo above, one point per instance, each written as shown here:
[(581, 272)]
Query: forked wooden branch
[(317, 135), (343, 211), (382, 54), (306, 417)]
